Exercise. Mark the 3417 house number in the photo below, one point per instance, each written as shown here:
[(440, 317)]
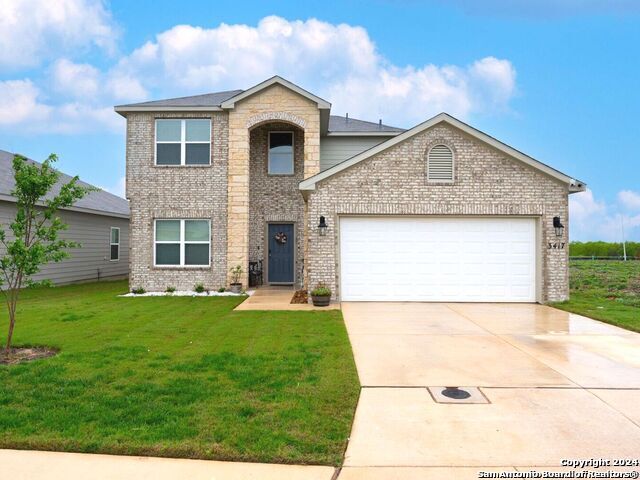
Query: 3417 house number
[(556, 246)]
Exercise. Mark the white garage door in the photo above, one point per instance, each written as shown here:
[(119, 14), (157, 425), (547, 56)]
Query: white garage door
[(438, 259)]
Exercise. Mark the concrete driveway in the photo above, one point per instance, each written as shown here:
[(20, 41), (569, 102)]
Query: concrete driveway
[(559, 386)]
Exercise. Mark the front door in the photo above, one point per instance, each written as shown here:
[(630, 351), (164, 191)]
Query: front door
[(281, 247)]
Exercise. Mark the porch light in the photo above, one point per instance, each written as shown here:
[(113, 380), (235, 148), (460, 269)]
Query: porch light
[(322, 226), (558, 227)]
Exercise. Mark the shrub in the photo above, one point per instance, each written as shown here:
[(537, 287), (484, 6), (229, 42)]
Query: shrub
[(138, 291), (221, 290), (170, 289), (321, 291), (199, 288)]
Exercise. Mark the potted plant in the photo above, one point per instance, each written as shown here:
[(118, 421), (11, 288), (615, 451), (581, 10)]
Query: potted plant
[(236, 273), (321, 295)]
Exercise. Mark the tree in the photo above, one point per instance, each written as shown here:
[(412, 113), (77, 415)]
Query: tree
[(35, 229)]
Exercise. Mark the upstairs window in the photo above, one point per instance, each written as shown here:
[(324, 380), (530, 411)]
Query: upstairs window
[(114, 244), (183, 142), (440, 164), (280, 153), (182, 243)]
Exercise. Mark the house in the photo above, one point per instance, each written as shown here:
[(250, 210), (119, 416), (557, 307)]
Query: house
[(439, 212), (99, 222)]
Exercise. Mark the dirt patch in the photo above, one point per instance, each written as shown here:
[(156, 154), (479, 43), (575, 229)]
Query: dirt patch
[(27, 354), (300, 296)]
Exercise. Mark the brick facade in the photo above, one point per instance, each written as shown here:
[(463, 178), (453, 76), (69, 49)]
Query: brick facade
[(275, 198), (175, 192), (240, 198), (393, 182)]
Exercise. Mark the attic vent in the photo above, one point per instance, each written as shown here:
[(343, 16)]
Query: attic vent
[(440, 164)]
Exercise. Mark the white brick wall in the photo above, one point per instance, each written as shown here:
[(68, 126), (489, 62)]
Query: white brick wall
[(394, 183), (175, 192)]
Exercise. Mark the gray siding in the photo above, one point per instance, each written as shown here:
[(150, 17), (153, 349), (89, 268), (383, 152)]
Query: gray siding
[(92, 260), (334, 150)]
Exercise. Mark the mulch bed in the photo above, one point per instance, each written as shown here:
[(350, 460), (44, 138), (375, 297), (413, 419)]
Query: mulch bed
[(300, 297), (20, 355)]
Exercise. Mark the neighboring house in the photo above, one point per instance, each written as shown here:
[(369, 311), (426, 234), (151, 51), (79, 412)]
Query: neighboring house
[(99, 222), (440, 212)]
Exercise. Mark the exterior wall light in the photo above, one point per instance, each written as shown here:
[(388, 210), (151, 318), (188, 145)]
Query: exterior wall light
[(322, 226), (558, 227)]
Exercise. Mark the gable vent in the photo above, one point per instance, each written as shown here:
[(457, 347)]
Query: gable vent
[(440, 164)]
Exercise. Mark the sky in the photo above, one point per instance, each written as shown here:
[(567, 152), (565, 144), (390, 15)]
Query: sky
[(556, 79)]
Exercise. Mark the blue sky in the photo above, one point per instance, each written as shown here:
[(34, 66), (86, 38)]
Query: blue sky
[(557, 79)]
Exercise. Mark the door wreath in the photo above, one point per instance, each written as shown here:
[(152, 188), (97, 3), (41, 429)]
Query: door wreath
[(281, 238)]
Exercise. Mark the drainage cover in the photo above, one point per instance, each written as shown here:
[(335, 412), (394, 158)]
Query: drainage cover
[(455, 393), (458, 395)]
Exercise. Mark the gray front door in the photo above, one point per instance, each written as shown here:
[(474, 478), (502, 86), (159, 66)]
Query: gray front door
[(281, 247)]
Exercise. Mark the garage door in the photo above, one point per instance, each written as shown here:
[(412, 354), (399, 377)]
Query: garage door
[(438, 259)]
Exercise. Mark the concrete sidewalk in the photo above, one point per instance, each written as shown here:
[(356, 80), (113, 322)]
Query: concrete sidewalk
[(32, 465)]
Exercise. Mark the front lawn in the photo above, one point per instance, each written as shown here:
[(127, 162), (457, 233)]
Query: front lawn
[(178, 377), (607, 290)]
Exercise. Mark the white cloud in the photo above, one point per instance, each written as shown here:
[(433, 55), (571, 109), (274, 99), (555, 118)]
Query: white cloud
[(88, 84), (125, 88), (23, 110), (592, 219), (33, 30), (629, 199), (74, 79), (338, 62), (19, 102)]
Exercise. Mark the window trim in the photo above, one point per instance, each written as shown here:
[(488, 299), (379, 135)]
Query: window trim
[(293, 154), (183, 143), (111, 243), (181, 242), (453, 165)]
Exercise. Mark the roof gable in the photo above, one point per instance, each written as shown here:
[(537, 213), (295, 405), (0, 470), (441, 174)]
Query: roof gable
[(574, 185), (230, 103)]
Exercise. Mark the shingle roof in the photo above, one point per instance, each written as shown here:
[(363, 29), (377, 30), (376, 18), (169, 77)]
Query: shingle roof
[(348, 124), (214, 99), (99, 201)]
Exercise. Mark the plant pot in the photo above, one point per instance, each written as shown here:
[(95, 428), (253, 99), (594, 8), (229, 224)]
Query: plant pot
[(236, 288), (321, 300)]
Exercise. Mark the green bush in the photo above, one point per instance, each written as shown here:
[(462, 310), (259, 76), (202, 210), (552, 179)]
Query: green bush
[(603, 249), (138, 291), (321, 291), (222, 289), (170, 289), (199, 288)]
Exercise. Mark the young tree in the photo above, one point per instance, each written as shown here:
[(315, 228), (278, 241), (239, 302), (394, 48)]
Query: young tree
[(35, 229)]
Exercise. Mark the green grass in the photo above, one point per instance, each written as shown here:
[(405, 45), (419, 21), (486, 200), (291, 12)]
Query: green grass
[(605, 290), (178, 377)]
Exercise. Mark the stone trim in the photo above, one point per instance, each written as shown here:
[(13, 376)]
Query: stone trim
[(275, 117)]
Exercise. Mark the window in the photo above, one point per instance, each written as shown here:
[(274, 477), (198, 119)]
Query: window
[(183, 142), (114, 244), (440, 164), (280, 153), (182, 243)]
